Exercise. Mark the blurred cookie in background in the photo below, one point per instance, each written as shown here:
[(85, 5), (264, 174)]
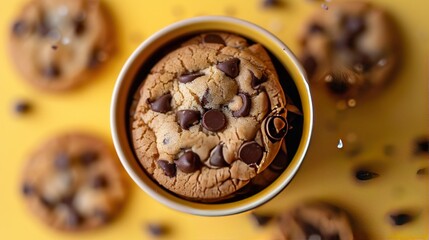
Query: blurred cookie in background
[(316, 221), (73, 182), (56, 44), (351, 49)]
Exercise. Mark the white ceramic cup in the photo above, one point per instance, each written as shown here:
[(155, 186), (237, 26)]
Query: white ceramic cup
[(124, 88)]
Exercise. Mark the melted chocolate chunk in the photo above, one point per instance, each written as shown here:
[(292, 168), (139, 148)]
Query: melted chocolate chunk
[(187, 118), (20, 28), (214, 120), (88, 157), (251, 153), (189, 162), (213, 38), (230, 67), (256, 82), (99, 182), (422, 146), (310, 65), (189, 77), (365, 175), (261, 219), (399, 219), (217, 159), (62, 161), (28, 189), (276, 128), (162, 104), (280, 162), (168, 168), (52, 71), (245, 108)]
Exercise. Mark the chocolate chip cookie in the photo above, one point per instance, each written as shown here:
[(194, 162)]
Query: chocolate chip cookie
[(72, 182), (351, 49), (315, 221), (57, 44), (210, 117)]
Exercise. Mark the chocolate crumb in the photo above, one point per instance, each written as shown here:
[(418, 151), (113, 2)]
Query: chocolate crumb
[(22, 106), (365, 175), (399, 219), (156, 229)]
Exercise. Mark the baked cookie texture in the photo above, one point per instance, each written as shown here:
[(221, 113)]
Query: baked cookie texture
[(57, 44), (210, 116), (316, 220), (73, 182), (352, 49)]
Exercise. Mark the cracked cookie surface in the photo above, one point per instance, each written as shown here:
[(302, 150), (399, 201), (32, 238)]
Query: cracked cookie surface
[(352, 49), (56, 45), (209, 118), (73, 182)]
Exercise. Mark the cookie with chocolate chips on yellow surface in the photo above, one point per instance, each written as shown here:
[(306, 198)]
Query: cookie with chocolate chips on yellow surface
[(57, 44), (316, 220), (352, 49), (209, 118), (72, 182)]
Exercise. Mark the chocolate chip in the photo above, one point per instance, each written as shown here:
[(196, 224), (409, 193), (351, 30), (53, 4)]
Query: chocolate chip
[(365, 175), (337, 83), (276, 128), (251, 152), (62, 161), (168, 168), (46, 202), (362, 63), (230, 67), (22, 106), (88, 157), (79, 26), (52, 71), (43, 28), (421, 146), (189, 77), (216, 158), (102, 215), (280, 162), (354, 25), (73, 219), (214, 120), (345, 41), (316, 28), (94, 59), (187, 118), (245, 108), (156, 229), (99, 182), (27, 189), (205, 98), (213, 38), (162, 104), (261, 219), (399, 219), (310, 230), (256, 82), (20, 28), (189, 162), (309, 63), (67, 200), (423, 171)]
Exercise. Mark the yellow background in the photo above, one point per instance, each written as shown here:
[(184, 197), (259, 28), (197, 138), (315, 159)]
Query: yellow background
[(395, 117)]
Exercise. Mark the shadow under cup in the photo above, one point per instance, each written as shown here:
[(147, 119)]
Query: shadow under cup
[(292, 78)]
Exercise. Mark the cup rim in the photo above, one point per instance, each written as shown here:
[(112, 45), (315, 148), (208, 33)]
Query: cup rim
[(123, 149)]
